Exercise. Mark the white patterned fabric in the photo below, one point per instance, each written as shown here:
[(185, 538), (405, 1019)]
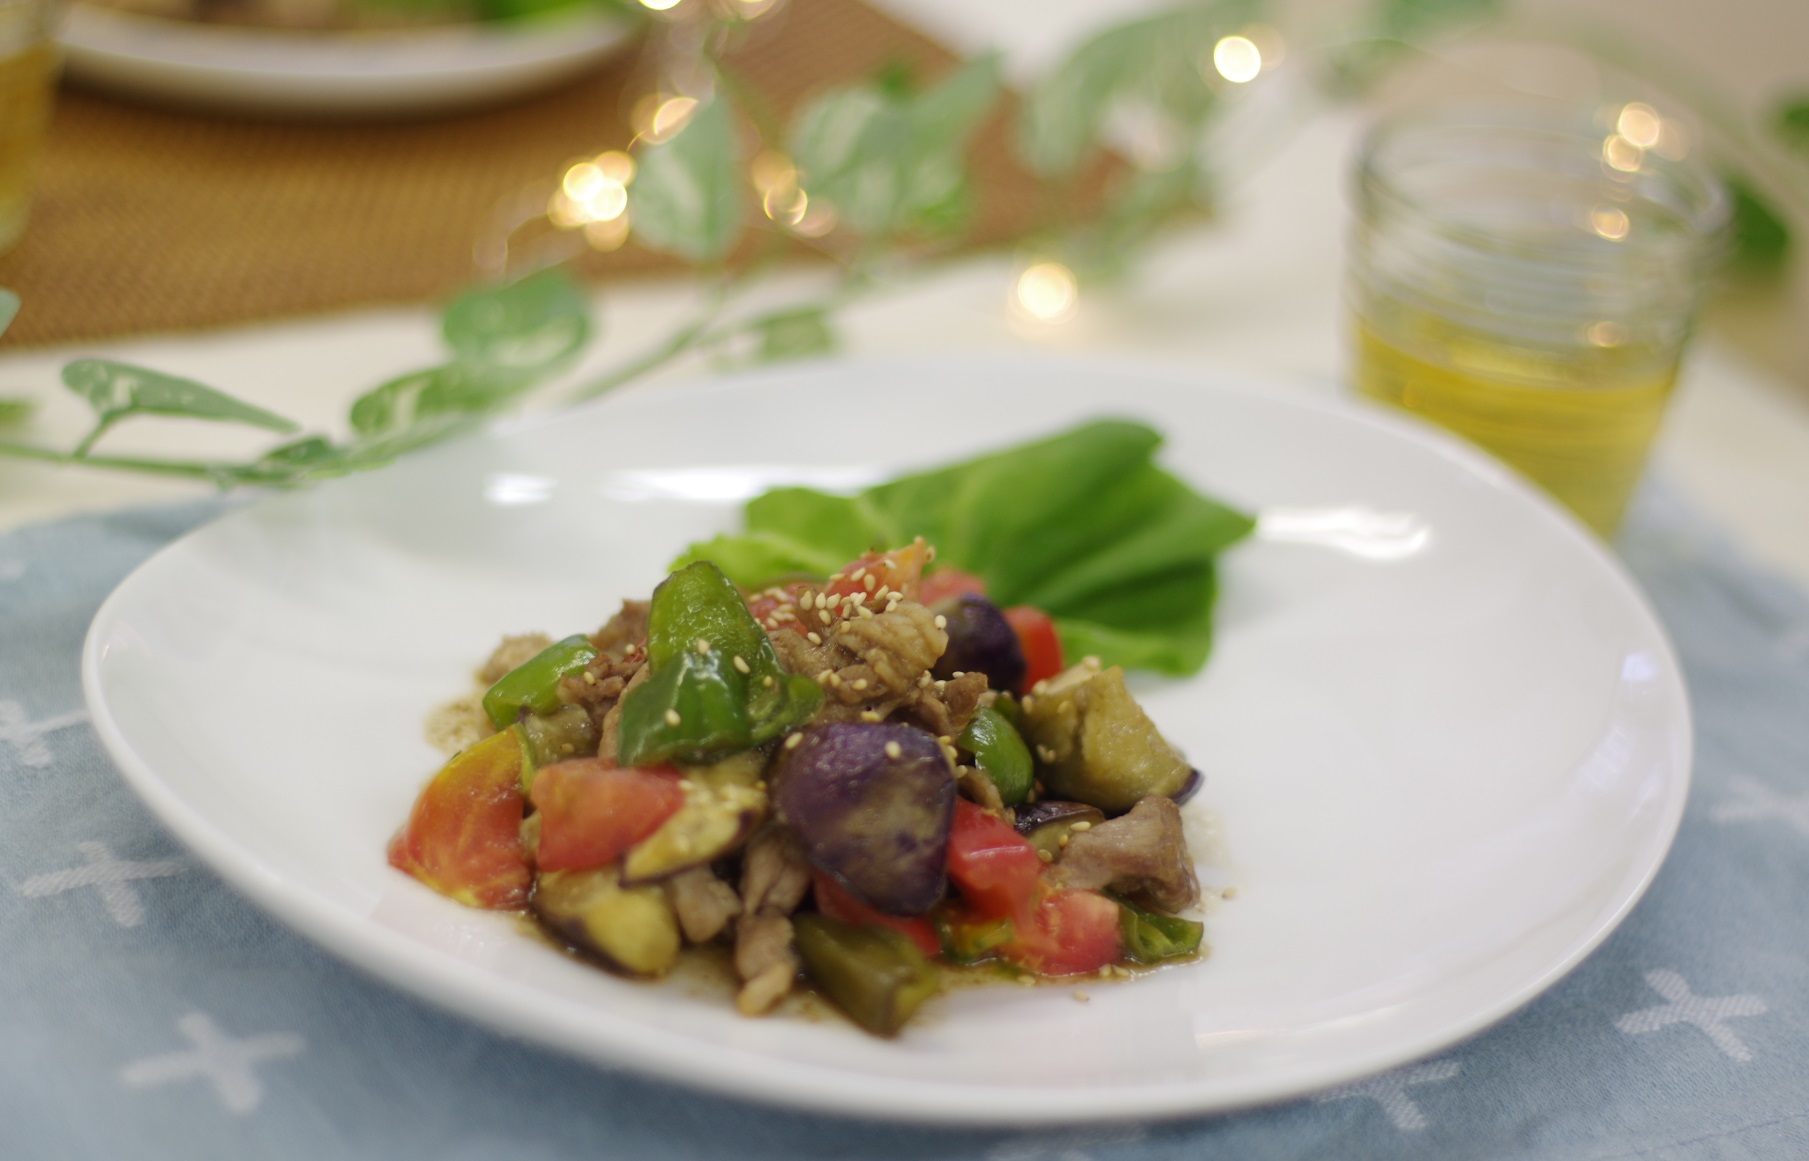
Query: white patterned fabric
[(148, 1012)]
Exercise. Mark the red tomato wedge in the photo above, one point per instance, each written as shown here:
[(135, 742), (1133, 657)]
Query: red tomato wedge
[(900, 570), (1072, 932), (463, 837), (592, 811), (782, 601), (945, 583), (835, 901), (994, 867), (1037, 637), (1055, 931)]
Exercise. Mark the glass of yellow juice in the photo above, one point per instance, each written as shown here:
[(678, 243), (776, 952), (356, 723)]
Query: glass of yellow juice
[(1527, 276), (29, 61)]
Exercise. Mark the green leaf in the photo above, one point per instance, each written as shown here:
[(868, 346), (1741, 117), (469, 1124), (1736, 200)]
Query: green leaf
[(1159, 63), (891, 162), (795, 334), (1413, 20), (15, 411), (1083, 525), (9, 308), (686, 198), (464, 390), (1792, 124), (118, 390), (1761, 238), (530, 325)]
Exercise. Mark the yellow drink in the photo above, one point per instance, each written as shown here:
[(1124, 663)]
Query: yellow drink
[(1578, 422), (27, 78)]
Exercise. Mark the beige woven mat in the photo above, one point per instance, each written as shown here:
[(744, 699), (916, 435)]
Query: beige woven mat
[(152, 220)]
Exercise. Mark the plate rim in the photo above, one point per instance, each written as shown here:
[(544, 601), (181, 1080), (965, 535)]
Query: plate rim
[(467, 991)]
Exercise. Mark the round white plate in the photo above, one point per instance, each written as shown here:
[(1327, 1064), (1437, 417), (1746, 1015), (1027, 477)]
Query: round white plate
[(339, 74), (1447, 738)]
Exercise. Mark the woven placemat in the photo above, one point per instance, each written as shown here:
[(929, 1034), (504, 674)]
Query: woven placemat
[(148, 219)]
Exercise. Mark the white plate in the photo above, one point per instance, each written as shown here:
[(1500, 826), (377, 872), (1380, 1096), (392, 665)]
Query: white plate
[(1447, 737), (426, 70)]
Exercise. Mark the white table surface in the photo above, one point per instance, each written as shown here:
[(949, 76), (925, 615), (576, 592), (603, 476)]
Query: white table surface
[(1257, 291)]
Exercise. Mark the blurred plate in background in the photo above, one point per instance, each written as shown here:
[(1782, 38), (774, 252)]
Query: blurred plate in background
[(440, 68)]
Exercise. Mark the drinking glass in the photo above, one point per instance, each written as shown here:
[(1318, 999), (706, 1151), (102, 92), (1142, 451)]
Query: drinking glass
[(28, 71), (1528, 277)]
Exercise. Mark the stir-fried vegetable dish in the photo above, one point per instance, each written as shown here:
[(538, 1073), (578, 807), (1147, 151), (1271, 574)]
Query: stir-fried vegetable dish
[(860, 780)]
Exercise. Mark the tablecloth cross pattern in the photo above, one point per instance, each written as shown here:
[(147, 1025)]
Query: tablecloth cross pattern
[(228, 1063), (1390, 1091), (26, 737), (1755, 801), (1709, 1013), (1685, 1037), (110, 877)]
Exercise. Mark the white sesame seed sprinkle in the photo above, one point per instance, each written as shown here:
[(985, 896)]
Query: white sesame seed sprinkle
[(794, 741), (823, 615), (740, 664), (894, 750), (941, 621), (703, 646), (813, 638), (672, 718)]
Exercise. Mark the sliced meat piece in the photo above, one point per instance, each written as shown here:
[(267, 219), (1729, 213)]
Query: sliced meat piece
[(1143, 853), (765, 960), (944, 708), (607, 712), (896, 648), (704, 903), (627, 628), (774, 873)]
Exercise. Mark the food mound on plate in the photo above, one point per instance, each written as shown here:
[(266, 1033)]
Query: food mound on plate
[(333, 15), (865, 779)]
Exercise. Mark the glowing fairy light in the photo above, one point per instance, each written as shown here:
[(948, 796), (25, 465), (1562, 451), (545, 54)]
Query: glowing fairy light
[(1622, 154), (592, 191), (1609, 222), (1047, 291), (659, 5), (1640, 124), (1237, 59)]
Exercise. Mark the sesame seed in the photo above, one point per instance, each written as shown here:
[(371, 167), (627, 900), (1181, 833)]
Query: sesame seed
[(808, 599), (703, 646), (894, 750), (866, 612), (941, 621), (589, 678), (858, 574), (834, 576), (960, 673), (884, 592), (672, 718), (860, 683), (686, 784), (767, 681), (869, 582), (870, 715), (740, 664), (823, 615), (925, 678), (946, 740), (1083, 824), (930, 554), (1045, 753), (1026, 703), (1063, 842), (1082, 996), (835, 679), (825, 676), (813, 638), (1228, 893), (794, 741)]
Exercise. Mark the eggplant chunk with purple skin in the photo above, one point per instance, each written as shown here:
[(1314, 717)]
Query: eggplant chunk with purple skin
[(980, 640), (1094, 744), (871, 804)]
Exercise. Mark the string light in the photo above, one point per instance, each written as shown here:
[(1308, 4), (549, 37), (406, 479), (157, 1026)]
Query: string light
[(1237, 59), (1047, 292)]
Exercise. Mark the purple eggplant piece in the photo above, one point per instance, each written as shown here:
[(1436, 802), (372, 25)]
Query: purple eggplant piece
[(1035, 814), (980, 640), (1189, 788), (871, 803)]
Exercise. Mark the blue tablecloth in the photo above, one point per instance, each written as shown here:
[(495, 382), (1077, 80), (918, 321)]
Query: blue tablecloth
[(149, 1012)]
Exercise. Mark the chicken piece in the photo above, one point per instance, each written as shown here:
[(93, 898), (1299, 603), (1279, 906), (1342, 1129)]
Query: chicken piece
[(944, 708), (766, 960), (1143, 853), (624, 632), (704, 903), (774, 873), (607, 711), (895, 648), (511, 653)]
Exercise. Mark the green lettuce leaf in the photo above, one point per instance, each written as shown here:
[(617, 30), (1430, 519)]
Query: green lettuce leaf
[(1082, 524)]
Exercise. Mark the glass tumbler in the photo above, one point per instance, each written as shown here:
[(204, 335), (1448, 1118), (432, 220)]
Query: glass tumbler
[(29, 60), (1527, 276)]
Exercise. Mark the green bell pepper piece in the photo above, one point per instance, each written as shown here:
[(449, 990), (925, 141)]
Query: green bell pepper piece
[(697, 704), (534, 684), (1150, 937), (1000, 753), (874, 974)]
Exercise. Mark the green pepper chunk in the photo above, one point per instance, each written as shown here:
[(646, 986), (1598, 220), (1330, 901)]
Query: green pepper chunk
[(1151, 938), (969, 942), (874, 974), (697, 703), (1000, 753), (534, 684)]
